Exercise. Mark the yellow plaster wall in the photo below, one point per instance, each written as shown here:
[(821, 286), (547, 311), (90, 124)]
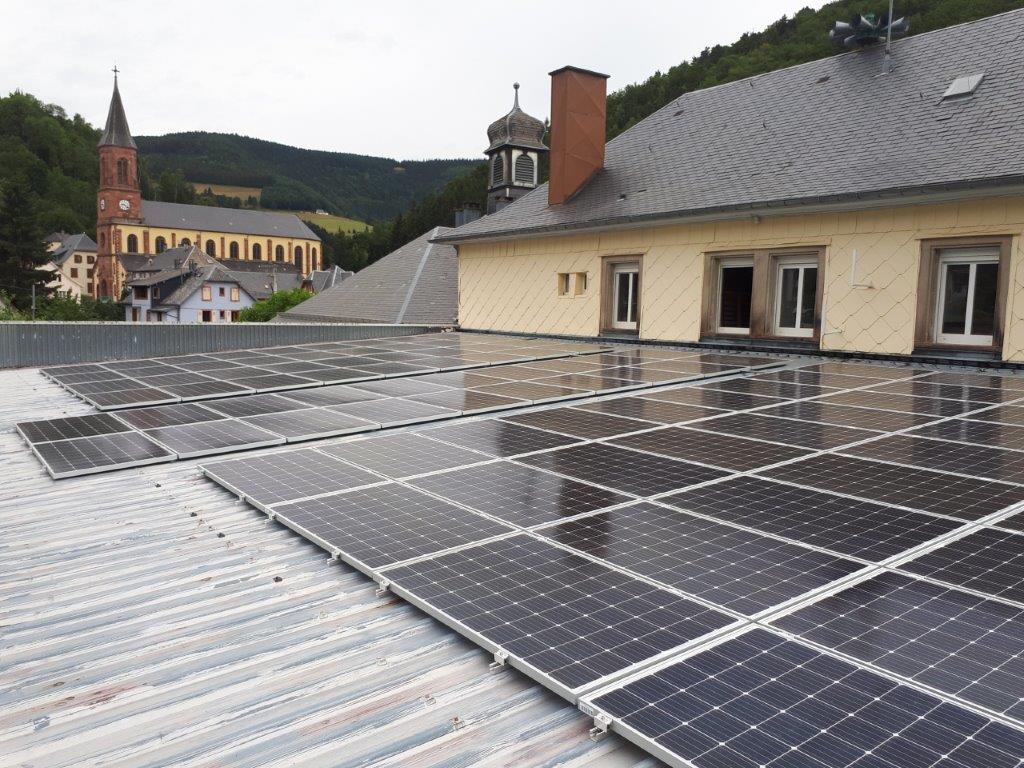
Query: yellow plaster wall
[(511, 286)]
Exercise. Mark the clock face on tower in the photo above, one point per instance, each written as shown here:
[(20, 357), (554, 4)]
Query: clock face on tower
[(124, 205), (103, 204)]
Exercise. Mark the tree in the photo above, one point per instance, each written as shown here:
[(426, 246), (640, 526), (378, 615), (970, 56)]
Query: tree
[(22, 253), (265, 310)]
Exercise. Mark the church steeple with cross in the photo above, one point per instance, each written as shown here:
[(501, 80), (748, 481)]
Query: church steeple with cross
[(118, 199)]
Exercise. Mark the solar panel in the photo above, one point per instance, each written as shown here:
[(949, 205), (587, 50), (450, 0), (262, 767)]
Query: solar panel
[(649, 375), (985, 433), (727, 566), (338, 394), (570, 619), (717, 450), (401, 387), (926, 388), (766, 388), (167, 415), (277, 381), (712, 398), (989, 561), (760, 699), (394, 411), (931, 406), (121, 398), (1004, 414), (310, 423), (468, 401), (254, 405), (72, 426), (496, 437), (848, 415), (287, 476), (978, 461), (404, 454), (977, 380), (961, 497), (466, 379), (866, 369), (590, 382), (857, 528), (649, 410), (622, 469), (519, 495), (957, 643), (531, 391), (74, 380), (832, 380), (385, 524), (295, 366), (579, 423), (99, 453), (395, 369), (204, 390), (202, 439), (807, 434), (177, 377)]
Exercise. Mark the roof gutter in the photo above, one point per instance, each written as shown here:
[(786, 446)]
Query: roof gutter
[(931, 194)]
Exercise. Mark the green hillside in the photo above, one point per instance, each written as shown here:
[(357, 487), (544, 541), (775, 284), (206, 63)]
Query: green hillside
[(356, 186)]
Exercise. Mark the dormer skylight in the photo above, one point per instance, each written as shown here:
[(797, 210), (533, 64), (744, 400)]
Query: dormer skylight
[(963, 86)]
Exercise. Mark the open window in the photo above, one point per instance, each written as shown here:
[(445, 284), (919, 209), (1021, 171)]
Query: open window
[(621, 305), (962, 292), (763, 294)]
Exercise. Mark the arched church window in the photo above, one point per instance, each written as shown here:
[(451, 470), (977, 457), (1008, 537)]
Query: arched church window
[(279, 253), (257, 252), (298, 256), (497, 170), (161, 245), (185, 241), (133, 244), (312, 255), (233, 249), (524, 169), (122, 171), (211, 248)]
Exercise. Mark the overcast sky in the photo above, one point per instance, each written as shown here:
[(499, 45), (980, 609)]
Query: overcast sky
[(402, 79)]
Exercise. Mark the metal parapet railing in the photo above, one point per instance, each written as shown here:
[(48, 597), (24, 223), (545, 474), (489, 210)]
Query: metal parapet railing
[(24, 344)]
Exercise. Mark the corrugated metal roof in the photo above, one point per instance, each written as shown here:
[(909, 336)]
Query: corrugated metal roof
[(141, 624)]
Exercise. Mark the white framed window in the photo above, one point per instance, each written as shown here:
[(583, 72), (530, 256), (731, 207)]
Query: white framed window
[(625, 296), (735, 293), (796, 291), (967, 284)]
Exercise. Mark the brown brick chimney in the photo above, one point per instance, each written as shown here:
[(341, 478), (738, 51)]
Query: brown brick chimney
[(578, 98)]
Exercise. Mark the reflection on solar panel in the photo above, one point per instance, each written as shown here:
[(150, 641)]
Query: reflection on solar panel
[(848, 415), (973, 460), (978, 432), (952, 641), (988, 561), (287, 476), (570, 619), (766, 388), (863, 369), (656, 411), (907, 403), (858, 528), (468, 401), (209, 437), (638, 473), (723, 451), (961, 497), (579, 423), (713, 398), (386, 524), (925, 388), (404, 454), (531, 391), (727, 566), (519, 495), (807, 434), (78, 426), (760, 699), (977, 380), (99, 453), (498, 438)]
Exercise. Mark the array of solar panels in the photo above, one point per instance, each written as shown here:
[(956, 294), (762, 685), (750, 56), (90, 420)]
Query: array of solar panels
[(134, 437), (184, 378), (792, 569)]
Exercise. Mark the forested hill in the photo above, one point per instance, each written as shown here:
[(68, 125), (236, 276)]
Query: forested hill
[(791, 40), (358, 186)]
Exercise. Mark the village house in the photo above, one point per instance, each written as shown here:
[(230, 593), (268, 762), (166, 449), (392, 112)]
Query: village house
[(861, 204)]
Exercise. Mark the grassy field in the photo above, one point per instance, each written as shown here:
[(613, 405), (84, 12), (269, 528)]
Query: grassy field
[(228, 190), (332, 223)]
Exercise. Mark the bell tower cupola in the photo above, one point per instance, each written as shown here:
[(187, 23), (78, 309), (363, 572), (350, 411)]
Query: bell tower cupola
[(513, 156), (118, 199)]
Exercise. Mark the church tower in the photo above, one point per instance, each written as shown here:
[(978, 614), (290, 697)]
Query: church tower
[(517, 141), (118, 200)]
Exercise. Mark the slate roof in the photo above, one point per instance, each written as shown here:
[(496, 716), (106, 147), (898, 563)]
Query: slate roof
[(832, 130), (260, 285), (172, 258), (209, 274), (322, 279), (417, 284), (206, 218), (116, 132), (80, 243)]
